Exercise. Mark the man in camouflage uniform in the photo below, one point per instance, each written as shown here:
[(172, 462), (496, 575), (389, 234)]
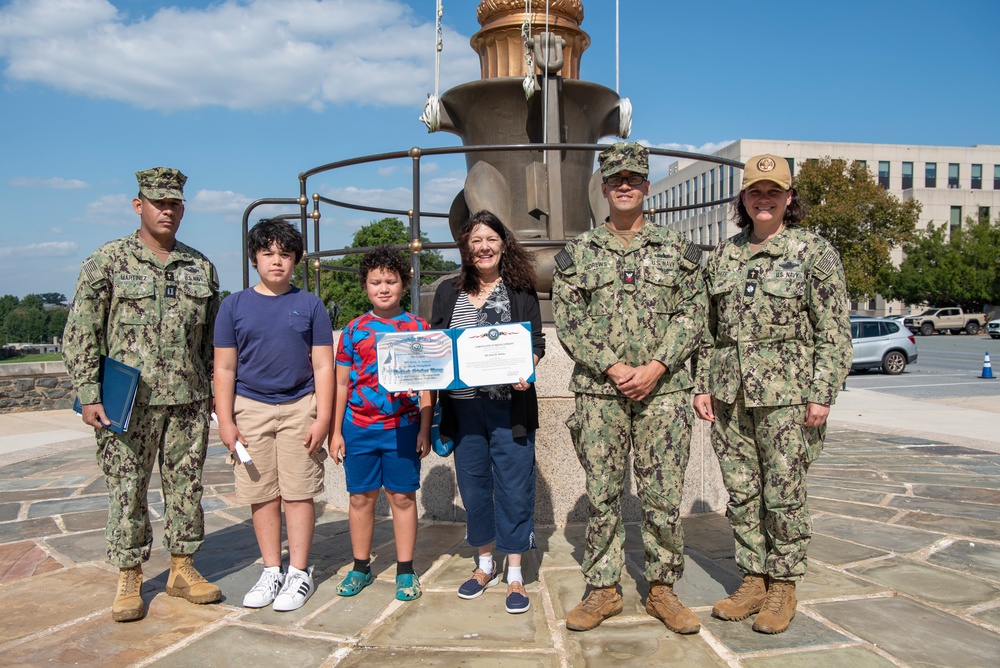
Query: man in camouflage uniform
[(149, 301), (777, 349), (629, 303)]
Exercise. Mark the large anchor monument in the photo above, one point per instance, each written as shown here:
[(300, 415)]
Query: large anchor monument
[(530, 93)]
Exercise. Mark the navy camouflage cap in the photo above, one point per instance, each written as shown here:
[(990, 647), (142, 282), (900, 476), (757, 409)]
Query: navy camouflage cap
[(161, 183), (623, 156)]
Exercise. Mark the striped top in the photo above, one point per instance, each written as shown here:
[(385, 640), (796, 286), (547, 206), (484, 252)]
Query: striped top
[(495, 311)]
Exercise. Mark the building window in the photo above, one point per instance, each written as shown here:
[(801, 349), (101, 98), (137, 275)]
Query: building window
[(732, 181), (977, 177), (907, 175), (996, 177), (984, 214), (791, 165), (956, 216), (930, 175), (687, 192), (863, 163), (722, 181), (952, 174), (704, 188), (883, 173), (712, 173)]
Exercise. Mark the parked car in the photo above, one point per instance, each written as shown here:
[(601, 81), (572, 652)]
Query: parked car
[(993, 329), (882, 343)]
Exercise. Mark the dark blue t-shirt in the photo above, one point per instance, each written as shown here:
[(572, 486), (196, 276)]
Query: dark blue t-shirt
[(273, 337)]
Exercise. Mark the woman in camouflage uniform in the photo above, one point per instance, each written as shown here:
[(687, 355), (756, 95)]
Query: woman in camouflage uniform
[(777, 350)]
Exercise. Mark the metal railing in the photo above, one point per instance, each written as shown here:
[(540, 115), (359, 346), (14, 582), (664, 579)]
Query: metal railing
[(415, 214)]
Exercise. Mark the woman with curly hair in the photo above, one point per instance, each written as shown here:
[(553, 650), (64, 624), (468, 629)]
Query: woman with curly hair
[(494, 426)]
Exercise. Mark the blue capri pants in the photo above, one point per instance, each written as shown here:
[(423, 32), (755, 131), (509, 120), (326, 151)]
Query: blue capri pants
[(496, 476)]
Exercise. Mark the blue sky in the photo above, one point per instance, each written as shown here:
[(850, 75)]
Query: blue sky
[(243, 95)]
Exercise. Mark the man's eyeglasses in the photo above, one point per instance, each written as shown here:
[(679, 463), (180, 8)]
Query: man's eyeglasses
[(633, 180)]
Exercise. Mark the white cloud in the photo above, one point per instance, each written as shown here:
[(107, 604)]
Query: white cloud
[(44, 249), (110, 211), (239, 54), (219, 202), (659, 166), (54, 183)]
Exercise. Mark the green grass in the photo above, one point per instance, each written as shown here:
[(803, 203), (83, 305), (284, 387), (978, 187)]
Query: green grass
[(44, 357)]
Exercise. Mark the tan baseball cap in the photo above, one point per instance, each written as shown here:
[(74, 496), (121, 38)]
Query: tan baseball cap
[(767, 167)]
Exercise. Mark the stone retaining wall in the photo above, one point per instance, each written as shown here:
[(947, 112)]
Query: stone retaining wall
[(34, 386)]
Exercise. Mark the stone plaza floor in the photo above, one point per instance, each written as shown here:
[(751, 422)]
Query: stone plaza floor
[(904, 571)]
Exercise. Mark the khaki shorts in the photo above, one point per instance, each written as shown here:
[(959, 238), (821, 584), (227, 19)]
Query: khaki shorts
[(281, 465)]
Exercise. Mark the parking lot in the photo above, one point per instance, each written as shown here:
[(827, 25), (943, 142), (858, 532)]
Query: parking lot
[(948, 367)]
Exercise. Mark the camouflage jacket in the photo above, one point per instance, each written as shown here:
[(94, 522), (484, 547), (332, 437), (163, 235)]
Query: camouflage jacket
[(777, 321), (155, 317), (634, 305)]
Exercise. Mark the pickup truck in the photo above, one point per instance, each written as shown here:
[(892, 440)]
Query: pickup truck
[(948, 319)]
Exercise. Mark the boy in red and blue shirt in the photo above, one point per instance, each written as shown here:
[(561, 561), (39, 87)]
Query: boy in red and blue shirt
[(380, 437)]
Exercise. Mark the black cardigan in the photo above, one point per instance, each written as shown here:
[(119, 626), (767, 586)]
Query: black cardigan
[(523, 308)]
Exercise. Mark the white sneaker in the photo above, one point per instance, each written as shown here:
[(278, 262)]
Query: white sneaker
[(262, 594), (295, 592)]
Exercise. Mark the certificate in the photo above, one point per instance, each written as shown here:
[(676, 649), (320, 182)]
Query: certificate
[(449, 359), (494, 355), (421, 360)]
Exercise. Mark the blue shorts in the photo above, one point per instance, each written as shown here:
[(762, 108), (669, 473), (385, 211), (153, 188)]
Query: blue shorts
[(377, 458)]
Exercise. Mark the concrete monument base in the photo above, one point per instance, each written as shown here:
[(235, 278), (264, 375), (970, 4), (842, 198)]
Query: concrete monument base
[(560, 496)]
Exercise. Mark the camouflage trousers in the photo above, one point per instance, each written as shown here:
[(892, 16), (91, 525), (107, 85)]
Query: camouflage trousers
[(177, 436), (658, 434), (765, 453)]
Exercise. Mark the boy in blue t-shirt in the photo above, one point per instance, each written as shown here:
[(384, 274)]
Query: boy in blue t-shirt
[(379, 437), (274, 393)]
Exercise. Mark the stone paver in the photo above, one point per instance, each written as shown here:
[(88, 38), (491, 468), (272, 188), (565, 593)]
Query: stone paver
[(915, 633), (905, 572)]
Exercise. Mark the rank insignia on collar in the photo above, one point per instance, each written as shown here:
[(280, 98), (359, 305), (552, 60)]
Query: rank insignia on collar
[(628, 277), (751, 287)]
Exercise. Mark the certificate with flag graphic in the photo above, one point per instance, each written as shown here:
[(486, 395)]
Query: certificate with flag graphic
[(421, 360), (448, 359)]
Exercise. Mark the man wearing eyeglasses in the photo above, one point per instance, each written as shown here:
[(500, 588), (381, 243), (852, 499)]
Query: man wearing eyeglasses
[(630, 305)]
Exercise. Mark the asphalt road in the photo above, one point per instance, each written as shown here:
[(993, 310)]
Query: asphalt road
[(948, 367)]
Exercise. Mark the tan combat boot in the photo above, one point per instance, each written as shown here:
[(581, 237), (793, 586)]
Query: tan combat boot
[(128, 599), (745, 601), (779, 608), (663, 604), (600, 604), (186, 582)]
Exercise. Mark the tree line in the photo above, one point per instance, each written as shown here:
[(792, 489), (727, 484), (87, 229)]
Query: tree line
[(340, 287), (28, 321), (942, 265)]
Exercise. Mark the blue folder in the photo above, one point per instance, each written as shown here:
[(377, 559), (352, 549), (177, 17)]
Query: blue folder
[(119, 383)]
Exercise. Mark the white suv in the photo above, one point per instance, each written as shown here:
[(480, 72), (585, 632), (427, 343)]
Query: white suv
[(882, 343), (993, 329)]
